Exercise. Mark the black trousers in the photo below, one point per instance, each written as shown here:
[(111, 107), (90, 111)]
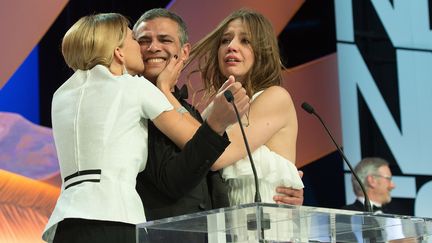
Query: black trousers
[(94, 231)]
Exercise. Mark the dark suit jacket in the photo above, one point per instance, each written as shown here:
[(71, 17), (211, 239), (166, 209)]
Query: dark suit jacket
[(372, 227), (177, 182), (356, 206), (359, 206)]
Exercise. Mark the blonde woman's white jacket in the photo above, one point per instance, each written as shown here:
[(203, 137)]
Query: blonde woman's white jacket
[(100, 131)]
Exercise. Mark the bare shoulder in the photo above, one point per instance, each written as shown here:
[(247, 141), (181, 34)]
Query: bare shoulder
[(277, 95), (275, 102)]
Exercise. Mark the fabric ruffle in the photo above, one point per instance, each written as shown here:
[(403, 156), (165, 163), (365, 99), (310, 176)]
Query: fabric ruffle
[(270, 167)]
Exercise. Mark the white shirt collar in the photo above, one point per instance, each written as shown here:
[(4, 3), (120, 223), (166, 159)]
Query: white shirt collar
[(362, 200)]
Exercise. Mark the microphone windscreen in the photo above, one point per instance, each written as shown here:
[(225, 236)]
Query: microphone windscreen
[(228, 95), (308, 108)]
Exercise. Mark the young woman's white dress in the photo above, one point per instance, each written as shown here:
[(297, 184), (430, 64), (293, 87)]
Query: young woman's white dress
[(273, 170)]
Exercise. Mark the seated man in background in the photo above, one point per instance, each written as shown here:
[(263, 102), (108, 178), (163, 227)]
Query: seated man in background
[(376, 177)]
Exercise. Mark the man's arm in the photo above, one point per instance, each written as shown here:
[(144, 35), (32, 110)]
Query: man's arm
[(289, 195), (174, 172)]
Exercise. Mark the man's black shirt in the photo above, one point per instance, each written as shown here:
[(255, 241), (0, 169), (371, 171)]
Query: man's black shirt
[(177, 182)]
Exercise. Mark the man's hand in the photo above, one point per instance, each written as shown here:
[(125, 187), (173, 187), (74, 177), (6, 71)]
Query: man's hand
[(222, 113), (290, 195)]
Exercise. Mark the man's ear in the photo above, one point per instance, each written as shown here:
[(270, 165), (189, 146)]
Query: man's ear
[(119, 55), (371, 181), (186, 50)]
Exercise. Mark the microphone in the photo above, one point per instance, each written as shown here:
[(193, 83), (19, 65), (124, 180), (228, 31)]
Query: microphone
[(309, 109), (230, 98), (252, 218)]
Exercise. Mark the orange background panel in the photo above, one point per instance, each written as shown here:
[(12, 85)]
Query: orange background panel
[(202, 16), (23, 24), (317, 83), (25, 206)]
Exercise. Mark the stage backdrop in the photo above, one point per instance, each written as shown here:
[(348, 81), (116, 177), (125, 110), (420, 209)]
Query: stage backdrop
[(377, 106), (385, 59)]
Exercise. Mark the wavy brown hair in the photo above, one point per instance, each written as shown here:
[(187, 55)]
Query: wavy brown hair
[(267, 68)]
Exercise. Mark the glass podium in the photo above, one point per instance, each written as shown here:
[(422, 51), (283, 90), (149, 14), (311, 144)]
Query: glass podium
[(261, 222)]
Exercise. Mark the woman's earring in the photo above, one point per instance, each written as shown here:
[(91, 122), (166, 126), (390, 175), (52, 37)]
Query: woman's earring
[(124, 70)]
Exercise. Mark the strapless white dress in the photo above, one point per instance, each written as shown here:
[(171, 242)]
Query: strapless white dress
[(273, 170)]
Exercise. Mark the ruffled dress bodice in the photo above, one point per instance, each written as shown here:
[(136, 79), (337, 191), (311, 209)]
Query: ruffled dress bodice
[(273, 170)]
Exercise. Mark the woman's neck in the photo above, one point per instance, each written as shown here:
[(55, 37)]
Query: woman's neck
[(116, 69)]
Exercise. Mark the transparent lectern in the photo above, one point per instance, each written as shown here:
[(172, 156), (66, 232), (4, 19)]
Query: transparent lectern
[(261, 222)]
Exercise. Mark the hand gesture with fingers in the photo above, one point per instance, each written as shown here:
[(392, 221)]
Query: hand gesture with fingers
[(222, 113), (168, 78)]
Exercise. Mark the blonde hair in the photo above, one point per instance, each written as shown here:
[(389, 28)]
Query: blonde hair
[(93, 39), (267, 68)]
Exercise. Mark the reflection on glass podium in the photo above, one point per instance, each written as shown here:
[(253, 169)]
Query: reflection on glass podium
[(261, 222)]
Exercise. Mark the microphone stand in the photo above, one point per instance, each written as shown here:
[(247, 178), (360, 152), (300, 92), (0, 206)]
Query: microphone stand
[(309, 109), (261, 217)]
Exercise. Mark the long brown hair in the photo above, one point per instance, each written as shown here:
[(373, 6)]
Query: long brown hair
[(267, 68)]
